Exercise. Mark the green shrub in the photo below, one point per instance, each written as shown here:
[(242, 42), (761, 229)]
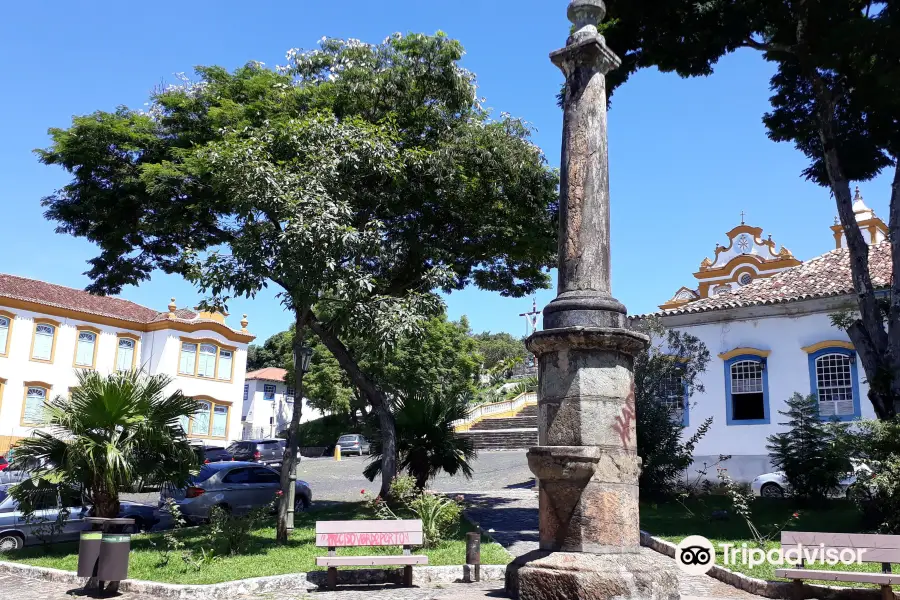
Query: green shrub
[(876, 494), (809, 452), (440, 515)]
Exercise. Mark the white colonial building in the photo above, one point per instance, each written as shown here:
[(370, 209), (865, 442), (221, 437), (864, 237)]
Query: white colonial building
[(269, 404), (765, 318), (49, 332)]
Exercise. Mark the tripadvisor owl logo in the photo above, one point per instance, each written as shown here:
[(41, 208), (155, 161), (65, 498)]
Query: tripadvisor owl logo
[(695, 555)]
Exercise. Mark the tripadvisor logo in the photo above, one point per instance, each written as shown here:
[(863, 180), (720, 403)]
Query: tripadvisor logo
[(695, 555)]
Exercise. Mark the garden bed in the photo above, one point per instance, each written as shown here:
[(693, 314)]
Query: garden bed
[(673, 522), (262, 557)]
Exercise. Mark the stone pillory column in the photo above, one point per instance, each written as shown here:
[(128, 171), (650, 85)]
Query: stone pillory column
[(587, 459)]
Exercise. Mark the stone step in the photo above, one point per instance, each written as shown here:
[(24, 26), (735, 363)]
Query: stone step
[(505, 423), (503, 440), (528, 411)]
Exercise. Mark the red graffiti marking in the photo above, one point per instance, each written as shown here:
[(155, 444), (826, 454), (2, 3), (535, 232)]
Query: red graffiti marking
[(624, 420), (393, 538)]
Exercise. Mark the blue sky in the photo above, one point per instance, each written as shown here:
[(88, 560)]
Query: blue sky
[(686, 156)]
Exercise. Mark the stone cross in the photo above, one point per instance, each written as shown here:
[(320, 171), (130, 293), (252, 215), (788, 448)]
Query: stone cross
[(586, 461)]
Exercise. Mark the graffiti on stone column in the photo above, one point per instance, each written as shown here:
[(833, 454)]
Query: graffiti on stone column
[(622, 426)]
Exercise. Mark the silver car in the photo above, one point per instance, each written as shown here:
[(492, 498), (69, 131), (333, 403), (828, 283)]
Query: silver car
[(353, 443), (237, 487), (17, 531)]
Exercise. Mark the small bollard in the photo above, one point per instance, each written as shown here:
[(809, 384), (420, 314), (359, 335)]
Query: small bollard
[(473, 552), (337, 452)]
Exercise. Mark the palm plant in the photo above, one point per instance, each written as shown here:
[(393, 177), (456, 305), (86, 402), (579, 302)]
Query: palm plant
[(112, 430), (427, 443)]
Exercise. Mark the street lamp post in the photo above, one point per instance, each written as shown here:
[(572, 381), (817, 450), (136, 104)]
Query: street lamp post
[(303, 362)]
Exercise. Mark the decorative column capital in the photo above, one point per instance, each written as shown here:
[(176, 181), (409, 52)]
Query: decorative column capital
[(586, 47)]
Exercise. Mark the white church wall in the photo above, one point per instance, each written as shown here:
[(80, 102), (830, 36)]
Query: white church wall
[(787, 368)]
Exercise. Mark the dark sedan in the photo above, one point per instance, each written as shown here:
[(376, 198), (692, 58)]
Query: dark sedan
[(210, 454)]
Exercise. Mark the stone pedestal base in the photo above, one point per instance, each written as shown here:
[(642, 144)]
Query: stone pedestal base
[(581, 576)]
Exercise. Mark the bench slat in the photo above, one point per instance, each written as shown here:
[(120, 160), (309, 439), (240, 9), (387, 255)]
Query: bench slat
[(399, 525), (356, 561), (877, 578), (843, 540), (871, 555)]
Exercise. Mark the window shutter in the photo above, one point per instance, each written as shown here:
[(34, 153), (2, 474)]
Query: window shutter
[(188, 359), (225, 364), (201, 420), (207, 361), (43, 342), (220, 421), (4, 333), (84, 353), (125, 355)]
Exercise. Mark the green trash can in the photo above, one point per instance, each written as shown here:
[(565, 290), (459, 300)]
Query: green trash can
[(89, 546), (115, 546)]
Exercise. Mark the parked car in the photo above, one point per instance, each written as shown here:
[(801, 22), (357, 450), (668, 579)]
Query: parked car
[(237, 487), (266, 451), (9, 475), (16, 531), (775, 484), (207, 454), (353, 443)]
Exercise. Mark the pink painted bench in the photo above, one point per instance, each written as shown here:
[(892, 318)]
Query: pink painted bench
[(351, 534), (884, 549)]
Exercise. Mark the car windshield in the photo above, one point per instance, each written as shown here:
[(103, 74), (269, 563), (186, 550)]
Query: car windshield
[(347, 438), (235, 446)]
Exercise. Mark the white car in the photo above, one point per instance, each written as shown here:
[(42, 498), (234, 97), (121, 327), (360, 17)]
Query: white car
[(775, 485)]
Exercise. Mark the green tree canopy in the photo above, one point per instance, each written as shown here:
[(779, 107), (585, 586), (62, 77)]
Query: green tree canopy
[(358, 177), (500, 348), (836, 97)]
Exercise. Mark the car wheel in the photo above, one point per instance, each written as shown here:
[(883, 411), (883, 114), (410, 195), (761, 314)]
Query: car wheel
[(10, 542), (771, 490)]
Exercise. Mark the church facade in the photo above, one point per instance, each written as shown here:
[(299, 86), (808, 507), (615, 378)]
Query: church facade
[(765, 318)]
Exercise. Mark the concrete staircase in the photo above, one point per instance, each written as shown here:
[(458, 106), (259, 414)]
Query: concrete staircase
[(506, 433)]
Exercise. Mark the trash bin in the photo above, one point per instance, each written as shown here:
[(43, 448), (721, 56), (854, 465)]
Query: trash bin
[(115, 546), (89, 546)]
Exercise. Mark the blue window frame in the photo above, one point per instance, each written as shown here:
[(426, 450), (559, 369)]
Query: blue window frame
[(833, 379), (746, 390)]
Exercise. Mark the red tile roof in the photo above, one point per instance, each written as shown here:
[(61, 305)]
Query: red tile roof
[(267, 373), (50, 294), (820, 277)]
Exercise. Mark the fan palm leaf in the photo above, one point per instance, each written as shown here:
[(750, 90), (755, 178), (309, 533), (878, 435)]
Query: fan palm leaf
[(111, 431)]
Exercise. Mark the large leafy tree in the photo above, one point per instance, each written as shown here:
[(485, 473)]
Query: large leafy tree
[(358, 178), (500, 348), (111, 431), (836, 97)]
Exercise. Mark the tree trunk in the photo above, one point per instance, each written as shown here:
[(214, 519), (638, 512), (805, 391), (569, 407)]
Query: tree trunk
[(376, 397), (894, 313), (106, 504), (871, 331), (289, 459)]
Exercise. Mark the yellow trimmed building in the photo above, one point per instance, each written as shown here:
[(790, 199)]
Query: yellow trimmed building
[(48, 332)]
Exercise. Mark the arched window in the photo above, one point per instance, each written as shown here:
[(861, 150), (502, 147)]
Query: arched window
[(746, 390), (36, 393), (6, 321), (43, 342), (833, 379), (86, 348)]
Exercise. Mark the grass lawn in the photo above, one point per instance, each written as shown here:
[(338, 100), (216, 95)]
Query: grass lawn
[(263, 556), (673, 522)]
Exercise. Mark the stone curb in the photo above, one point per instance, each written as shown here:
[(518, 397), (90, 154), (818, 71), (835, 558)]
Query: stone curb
[(780, 590), (257, 585)]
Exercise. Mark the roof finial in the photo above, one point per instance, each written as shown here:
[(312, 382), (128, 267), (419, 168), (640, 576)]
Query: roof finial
[(742, 217), (837, 221), (857, 195), (172, 307), (244, 323)]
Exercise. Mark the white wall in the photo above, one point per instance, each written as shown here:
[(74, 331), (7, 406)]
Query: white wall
[(788, 372), (259, 412), (157, 352)]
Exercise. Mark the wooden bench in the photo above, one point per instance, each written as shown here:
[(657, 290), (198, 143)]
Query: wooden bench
[(884, 549), (350, 534)]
